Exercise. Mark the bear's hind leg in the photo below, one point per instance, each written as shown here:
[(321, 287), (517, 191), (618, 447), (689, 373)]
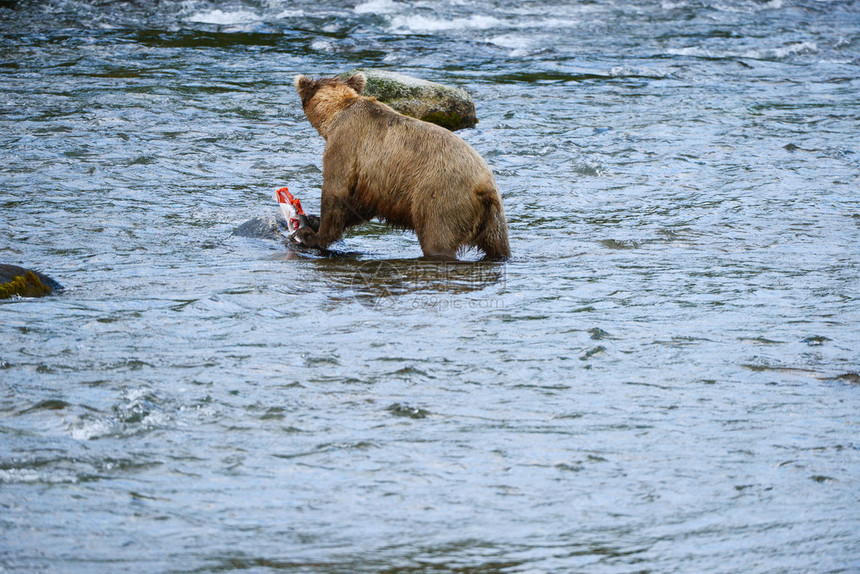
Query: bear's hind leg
[(495, 246), (493, 238), (436, 249)]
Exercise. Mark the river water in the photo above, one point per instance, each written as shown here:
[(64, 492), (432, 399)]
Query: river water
[(664, 378)]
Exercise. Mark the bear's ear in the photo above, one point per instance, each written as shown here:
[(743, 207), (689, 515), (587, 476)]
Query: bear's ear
[(357, 82), (306, 87)]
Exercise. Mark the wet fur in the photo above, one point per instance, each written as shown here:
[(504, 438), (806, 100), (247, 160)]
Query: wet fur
[(409, 173)]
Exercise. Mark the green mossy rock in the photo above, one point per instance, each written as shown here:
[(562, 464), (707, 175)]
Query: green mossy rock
[(451, 108), (19, 281)]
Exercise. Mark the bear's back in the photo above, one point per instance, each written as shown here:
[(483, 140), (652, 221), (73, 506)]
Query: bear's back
[(378, 131)]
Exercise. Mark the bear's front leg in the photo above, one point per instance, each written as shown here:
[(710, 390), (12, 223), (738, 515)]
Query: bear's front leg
[(305, 236), (330, 227)]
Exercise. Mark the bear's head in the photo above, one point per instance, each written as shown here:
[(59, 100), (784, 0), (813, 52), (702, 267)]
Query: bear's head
[(323, 98), (307, 87)]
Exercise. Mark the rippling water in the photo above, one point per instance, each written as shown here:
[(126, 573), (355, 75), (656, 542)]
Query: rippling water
[(663, 379)]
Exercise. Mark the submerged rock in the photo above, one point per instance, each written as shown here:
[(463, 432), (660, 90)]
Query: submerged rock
[(451, 108), (274, 228), (23, 282), (262, 228)]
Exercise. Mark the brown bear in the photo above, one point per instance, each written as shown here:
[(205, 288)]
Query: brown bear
[(409, 173)]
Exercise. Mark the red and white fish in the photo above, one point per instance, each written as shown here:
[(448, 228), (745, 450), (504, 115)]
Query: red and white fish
[(291, 208)]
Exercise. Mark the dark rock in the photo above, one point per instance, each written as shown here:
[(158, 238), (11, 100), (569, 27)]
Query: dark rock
[(16, 280), (262, 228)]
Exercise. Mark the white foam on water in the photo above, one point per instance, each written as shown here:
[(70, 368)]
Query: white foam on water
[(92, 428), (377, 7), (26, 475), (784, 51), (322, 46), (780, 53), (156, 419), (690, 51), (222, 18), (509, 41), (406, 24), (135, 394), (738, 7), (289, 14), (748, 7), (519, 45)]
